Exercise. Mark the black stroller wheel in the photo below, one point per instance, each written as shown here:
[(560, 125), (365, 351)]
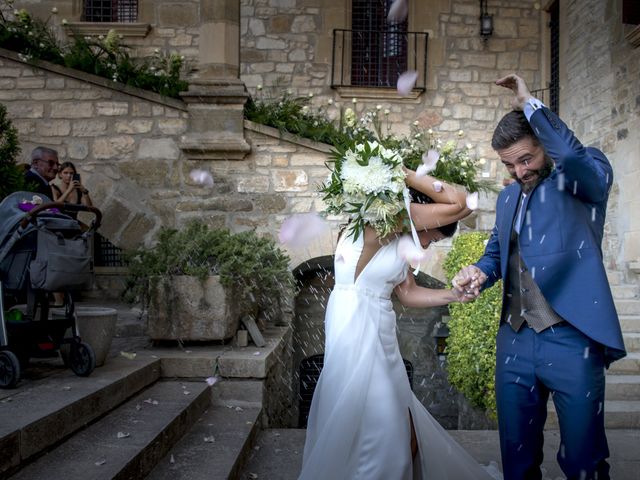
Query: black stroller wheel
[(82, 360), (9, 369)]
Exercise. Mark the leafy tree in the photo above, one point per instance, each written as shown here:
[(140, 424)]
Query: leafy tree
[(11, 174)]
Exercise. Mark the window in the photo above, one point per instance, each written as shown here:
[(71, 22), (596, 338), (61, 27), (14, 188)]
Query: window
[(554, 84), (631, 12), (122, 11), (373, 53)]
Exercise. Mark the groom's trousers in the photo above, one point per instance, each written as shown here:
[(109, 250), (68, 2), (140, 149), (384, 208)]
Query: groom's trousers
[(564, 363)]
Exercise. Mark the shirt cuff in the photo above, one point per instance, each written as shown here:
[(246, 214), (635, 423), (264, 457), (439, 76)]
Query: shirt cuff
[(531, 106)]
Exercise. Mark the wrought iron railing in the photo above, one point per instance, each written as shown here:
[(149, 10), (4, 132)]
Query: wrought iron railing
[(370, 58), (123, 11)]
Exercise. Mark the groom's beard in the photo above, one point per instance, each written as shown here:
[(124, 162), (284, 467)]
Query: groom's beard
[(538, 175)]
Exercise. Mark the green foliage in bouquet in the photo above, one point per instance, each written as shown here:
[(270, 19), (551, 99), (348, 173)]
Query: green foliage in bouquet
[(11, 174), (258, 268), (473, 327), (103, 56)]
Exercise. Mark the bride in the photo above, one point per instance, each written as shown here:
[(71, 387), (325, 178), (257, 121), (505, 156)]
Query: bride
[(365, 423)]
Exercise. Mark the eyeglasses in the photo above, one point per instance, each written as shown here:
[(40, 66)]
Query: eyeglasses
[(51, 163)]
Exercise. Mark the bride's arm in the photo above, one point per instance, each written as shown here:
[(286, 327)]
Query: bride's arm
[(450, 202), (411, 294)]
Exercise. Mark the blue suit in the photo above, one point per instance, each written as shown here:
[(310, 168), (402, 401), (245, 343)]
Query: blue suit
[(560, 243)]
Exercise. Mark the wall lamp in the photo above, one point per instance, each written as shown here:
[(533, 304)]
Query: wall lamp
[(486, 21)]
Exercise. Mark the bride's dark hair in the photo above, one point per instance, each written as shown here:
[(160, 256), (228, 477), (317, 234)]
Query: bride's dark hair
[(419, 197)]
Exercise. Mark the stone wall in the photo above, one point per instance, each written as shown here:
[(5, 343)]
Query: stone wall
[(601, 100)]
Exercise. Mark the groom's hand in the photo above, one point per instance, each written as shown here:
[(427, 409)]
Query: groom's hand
[(518, 86), (468, 281)]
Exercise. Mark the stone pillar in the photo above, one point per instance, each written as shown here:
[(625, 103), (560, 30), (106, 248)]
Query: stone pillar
[(216, 95)]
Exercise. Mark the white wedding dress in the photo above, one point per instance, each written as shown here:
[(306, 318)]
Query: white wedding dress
[(358, 427)]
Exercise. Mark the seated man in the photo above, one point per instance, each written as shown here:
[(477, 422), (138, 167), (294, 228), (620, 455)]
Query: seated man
[(44, 167)]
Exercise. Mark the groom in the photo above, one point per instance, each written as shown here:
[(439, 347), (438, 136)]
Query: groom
[(559, 328)]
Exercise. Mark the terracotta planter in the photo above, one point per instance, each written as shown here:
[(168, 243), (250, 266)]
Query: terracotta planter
[(186, 308)]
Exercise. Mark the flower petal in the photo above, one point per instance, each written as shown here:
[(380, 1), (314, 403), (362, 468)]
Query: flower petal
[(407, 81), (437, 186), (398, 11), (472, 200), (300, 230), (410, 252), (201, 177), (422, 170), (430, 159)]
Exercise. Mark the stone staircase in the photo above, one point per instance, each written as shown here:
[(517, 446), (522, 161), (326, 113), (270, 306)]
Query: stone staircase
[(622, 400), (151, 415)]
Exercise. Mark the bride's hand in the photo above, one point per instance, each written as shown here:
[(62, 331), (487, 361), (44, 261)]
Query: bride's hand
[(464, 296)]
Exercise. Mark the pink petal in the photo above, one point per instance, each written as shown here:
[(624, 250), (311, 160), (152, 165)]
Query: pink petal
[(407, 81), (430, 159), (299, 230), (437, 186), (212, 380), (410, 252), (201, 177), (398, 12), (472, 200)]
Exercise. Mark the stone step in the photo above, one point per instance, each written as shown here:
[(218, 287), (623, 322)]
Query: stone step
[(628, 307), (625, 291), (629, 364), (630, 323), (214, 449), (619, 414), (631, 341), (622, 387), (39, 414), (130, 440)]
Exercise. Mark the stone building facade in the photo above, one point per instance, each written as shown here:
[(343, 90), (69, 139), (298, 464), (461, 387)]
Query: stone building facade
[(136, 149)]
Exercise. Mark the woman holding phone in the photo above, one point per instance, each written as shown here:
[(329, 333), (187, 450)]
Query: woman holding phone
[(71, 190)]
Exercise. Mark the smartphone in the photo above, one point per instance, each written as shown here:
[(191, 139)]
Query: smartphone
[(76, 177)]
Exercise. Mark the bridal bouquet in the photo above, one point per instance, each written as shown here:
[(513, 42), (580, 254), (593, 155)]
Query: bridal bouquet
[(366, 184)]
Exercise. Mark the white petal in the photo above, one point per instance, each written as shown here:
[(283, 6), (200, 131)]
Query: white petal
[(422, 170), (212, 380), (201, 177), (437, 186), (398, 11), (410, 252), (472, 200), (430, 159), (300, 230), (407, 81)]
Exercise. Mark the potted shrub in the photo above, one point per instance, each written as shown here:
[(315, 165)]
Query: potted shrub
[(197, 282), (471, 345)]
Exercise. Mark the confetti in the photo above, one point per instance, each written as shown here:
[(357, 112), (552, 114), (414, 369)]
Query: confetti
[(472, 201), (100, 462), (210, 439), (211, 381), (299, 230), (127, 355), (406, 81), (410, 252), (398, 11), (123, 435), (437, 186), (201, 177)]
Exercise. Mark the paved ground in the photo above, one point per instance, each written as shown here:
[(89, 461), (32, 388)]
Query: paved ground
[(277, 454)]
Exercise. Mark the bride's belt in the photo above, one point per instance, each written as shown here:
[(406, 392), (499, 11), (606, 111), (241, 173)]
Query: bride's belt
[(348, 287)]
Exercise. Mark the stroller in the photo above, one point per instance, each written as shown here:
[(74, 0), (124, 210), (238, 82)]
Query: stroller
[(42, 250)]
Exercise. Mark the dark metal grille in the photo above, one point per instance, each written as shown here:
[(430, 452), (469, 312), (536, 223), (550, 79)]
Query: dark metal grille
[(105, 253), (377, 58), (631, 12), (310, 369), (122, 11)]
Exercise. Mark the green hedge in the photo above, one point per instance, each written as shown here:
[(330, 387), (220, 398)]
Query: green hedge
[(471, 345)]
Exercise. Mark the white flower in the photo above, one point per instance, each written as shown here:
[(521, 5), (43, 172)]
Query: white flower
[(64, 21), (310, 95), (349, 117), (430, 132), (416, 123), (386, 111), (259, 87), (54, 10), (330, 101), (354, 101), (378, 107), (460, 133), (482, 161)]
